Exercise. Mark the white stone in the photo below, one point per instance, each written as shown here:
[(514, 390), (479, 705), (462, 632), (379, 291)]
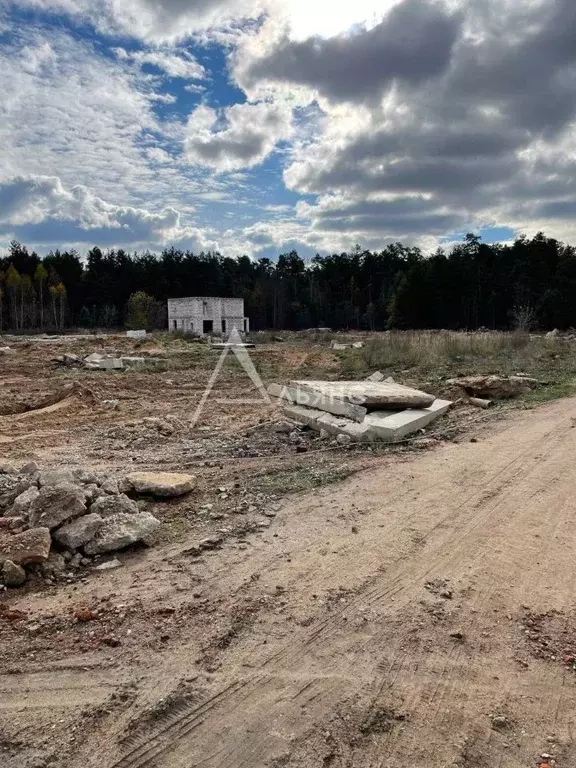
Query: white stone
[(162, 484)]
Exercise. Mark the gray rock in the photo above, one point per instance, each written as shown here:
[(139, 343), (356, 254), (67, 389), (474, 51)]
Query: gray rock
[(107, 506), (54, 567), (11, 487), (343, 439), (92, 492), (29, 469), (82, 475), (79, 532), (31, 546), (23, 502), (56, 477), (13, 575), (55, 506), (110, 485), (120, 531)]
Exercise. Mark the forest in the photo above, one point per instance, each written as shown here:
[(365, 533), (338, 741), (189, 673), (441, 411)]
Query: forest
[(527, 284)]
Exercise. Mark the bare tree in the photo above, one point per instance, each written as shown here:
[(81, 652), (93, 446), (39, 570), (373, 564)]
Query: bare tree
[(524, 317)]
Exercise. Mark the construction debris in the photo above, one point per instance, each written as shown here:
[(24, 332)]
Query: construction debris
[(338, 345), (479, 402), (373, 395), (494, 386), (161, 484), (98, 362), (136, 334), (75, 515), (386, 413)]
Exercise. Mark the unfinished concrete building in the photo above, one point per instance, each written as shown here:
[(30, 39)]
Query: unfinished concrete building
[(207, 314)]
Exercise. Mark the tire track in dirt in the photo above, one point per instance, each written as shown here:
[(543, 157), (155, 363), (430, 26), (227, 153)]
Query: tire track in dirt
[(382, 588), (450, 686)]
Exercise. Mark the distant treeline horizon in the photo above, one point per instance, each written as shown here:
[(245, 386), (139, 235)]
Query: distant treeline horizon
[(530, 283)]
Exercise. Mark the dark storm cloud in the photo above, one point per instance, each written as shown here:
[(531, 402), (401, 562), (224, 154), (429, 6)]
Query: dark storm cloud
[(412, 44)]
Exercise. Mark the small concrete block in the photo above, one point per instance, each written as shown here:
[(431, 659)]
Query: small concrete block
[(111, 364), (376, 376), (136, 334)]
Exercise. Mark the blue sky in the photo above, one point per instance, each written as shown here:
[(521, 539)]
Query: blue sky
[(258, 126)]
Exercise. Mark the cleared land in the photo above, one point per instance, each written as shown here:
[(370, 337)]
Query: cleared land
[(418, 613)]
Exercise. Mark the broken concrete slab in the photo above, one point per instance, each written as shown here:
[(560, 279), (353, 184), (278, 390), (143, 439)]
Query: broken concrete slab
[(314, 399), (136, 334), (371, 394), (392, 427), (110, 364), (377, 376), (385, 426), (327, 422)]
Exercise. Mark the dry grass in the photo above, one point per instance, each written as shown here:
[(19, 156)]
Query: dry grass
[(429, 356)]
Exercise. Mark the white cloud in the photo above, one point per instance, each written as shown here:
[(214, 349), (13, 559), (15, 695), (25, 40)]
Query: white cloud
[(241, 136), (173, 63), (420, 118), (33, 199)]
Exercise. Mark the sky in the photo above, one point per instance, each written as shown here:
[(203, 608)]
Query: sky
[(259, 126)]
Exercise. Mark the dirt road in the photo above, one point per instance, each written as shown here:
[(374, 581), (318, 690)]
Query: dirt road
[(416, 616)]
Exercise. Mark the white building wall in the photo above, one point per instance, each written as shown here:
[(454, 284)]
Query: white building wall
[(196, 313)]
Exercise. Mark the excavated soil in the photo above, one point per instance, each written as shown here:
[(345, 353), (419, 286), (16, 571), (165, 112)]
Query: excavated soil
[(419, 613)]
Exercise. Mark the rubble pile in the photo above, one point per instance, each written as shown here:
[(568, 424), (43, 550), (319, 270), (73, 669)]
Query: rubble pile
[(98, 362), (58, 519), (370, 410)]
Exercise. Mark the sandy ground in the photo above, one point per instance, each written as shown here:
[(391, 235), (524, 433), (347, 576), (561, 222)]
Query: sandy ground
[(419, 614)]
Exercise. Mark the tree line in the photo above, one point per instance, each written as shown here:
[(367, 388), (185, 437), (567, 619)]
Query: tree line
[(527, 283)]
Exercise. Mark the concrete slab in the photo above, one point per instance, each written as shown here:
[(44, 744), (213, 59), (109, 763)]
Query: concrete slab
[(384, 426), (320, 420), (392, 427), (316, 400), (372, 394), (111, 364), (136, 334)]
